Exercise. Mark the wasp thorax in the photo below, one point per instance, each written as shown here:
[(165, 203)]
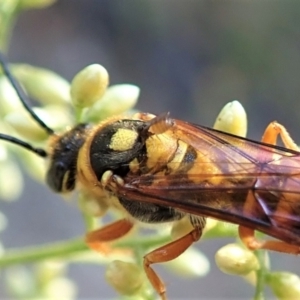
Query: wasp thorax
[(115, 145), (61, 175)]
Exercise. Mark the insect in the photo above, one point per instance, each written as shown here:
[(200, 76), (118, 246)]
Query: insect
[(157, 169)]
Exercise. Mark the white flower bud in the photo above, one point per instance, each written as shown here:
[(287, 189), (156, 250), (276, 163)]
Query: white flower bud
[(210, 224), (25, 126), (285, 285), (33, 164), (181, 228), (232, 119), (91, 206), (3, 152), (11, 180), (61, 288), (117, 99), (8, 97), (19, 280), (233, 259), (89, 85), (125, 277), (190, 263), (43, 85), (54, 116), (50, 269)]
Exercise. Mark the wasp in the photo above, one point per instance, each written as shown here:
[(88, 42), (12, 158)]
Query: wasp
[(157, 169)]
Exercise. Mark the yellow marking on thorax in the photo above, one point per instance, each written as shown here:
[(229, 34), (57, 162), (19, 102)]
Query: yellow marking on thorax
[(174, 164), (160, 148), (123, 140), (134, 165)]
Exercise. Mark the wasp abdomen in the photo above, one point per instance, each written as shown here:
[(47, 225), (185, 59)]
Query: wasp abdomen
[(150, 213)]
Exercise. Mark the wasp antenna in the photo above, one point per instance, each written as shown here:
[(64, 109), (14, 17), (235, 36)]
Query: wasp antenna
[(161, 123), (39, 151), (22, 95)]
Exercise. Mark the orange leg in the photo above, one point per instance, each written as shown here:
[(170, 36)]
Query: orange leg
[(166, 253), (271, 133), (96, 239), (248, 238)]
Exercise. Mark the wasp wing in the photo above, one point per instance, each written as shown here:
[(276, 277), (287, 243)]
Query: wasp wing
[(241, 181)]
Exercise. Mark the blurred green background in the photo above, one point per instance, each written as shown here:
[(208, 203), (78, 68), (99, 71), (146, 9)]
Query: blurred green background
[(189, 58)]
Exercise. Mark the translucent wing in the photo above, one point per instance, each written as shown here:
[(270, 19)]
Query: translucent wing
[(239, 181)]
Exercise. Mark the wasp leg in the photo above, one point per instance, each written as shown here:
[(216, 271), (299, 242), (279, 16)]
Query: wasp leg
[(96, 239), (166, 253), (271, 133), (248, 238)]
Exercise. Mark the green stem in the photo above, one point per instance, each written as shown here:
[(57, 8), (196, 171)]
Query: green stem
[(71, 247), (90, 222), (34, 254), (8, 13), (78, 114), (260, 275), (76, 246)]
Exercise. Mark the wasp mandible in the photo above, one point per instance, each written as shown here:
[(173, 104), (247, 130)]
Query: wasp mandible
[(157, 169)]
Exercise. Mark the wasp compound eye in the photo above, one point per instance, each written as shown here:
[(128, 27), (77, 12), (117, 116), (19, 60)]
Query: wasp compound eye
[(58, 177), (61, 176)]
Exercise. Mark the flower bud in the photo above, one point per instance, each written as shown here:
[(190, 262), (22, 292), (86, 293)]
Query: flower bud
[(233, 259), (49, 270), (10, 189), (3, 152), (8, 97), (19, 282), (284, 285), (125, 277), (25, 126), (91, 206), (117, 99), (89, 85), (33, 164), (232, 119), (210, 224), (43, 85), (56, 117), (61, 288), (181, 228), (190, 263)]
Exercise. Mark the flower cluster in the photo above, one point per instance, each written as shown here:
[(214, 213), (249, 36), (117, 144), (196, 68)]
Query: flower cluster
[(89, 98)]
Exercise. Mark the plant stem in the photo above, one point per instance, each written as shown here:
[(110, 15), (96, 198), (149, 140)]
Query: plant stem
[(78, 114), (34, 254), (8, 13), (69, 248), (260, 275)]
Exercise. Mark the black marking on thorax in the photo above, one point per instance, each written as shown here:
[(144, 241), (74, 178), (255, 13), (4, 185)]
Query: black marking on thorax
[(103, 158)]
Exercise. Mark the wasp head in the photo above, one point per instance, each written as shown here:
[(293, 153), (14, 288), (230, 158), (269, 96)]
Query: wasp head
[(61, 175)]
